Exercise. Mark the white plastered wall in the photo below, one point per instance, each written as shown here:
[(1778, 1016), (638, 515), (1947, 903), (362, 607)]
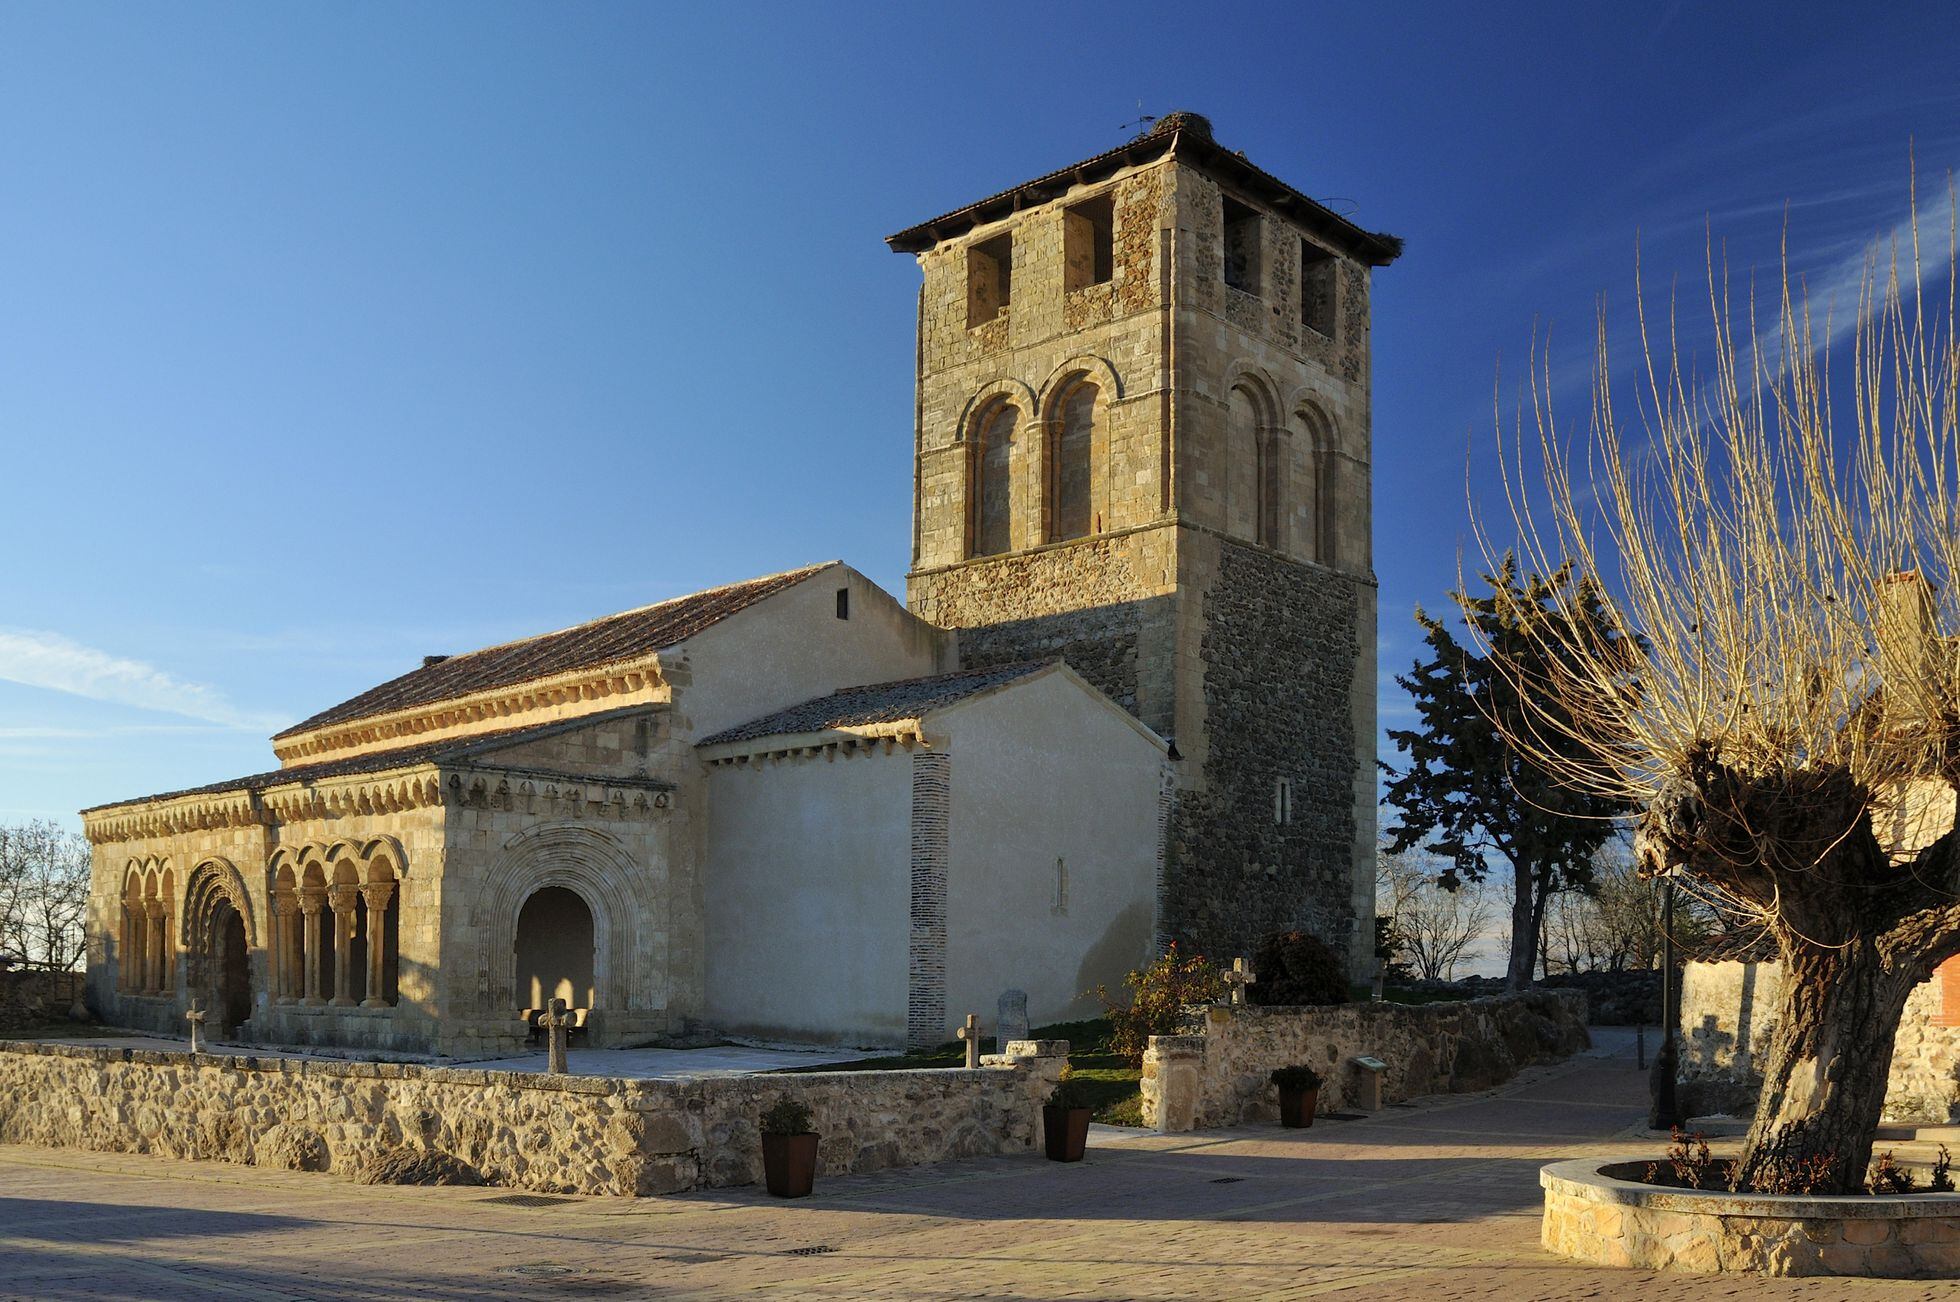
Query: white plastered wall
[(1047, 770), (808, 897), (791, 647)]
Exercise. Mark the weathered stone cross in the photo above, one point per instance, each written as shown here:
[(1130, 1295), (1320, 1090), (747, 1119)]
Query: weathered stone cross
[(971, 1034), (195, 1016), (1239, 978), (557, 1023)]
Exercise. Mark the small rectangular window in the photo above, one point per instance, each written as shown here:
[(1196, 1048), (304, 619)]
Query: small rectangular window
[(989, 279), (843, 603), (1241, 246), (1088, 243), (1282, 800), (1317, 269)]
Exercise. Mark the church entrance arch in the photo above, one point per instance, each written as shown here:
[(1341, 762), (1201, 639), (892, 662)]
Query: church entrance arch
[(217, 939), (555, 949), (233, 964)]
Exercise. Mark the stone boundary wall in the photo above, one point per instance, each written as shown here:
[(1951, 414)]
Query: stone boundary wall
[(559, 1134), (1728, 1011), (1594, 1213), (32, 995), (1217, 1074)]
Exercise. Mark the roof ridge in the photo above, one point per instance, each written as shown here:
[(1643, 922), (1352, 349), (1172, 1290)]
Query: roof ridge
[(603, 640)]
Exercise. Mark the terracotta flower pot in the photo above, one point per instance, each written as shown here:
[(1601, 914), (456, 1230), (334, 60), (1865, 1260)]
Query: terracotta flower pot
[(789, 1164), (1066, 1132), (1296, 1107)]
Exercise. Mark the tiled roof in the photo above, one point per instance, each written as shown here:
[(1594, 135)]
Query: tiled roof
[(857, 707), (1188, 136), (618, 637), (448, 749)]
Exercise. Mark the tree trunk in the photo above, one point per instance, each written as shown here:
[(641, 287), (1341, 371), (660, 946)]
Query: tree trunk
[(1524, 931), (1825, 1075)]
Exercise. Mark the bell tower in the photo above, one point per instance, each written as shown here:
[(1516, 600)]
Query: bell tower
[(1142, 445)]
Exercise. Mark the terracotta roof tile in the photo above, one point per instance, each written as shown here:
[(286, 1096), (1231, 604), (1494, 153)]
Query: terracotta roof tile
[(447, 749), (857, 707), (624, 636)]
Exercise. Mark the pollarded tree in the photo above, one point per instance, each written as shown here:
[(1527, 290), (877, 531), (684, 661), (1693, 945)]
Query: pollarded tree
[(1789, 553), (1465, 792)]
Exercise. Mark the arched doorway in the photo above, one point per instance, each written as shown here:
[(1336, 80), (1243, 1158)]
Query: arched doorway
[(232, 963), (554, 949)]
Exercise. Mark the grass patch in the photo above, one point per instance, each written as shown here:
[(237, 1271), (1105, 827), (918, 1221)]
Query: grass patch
[(1107, 1079)]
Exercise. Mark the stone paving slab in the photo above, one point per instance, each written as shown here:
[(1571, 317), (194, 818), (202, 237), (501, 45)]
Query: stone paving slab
[(1439, 1201)]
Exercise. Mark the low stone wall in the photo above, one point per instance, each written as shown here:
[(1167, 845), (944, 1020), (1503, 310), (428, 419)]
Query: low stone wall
[(1594, 1214), (1217, 1074), (562, 1134), (31, 996), (1728, 1011)]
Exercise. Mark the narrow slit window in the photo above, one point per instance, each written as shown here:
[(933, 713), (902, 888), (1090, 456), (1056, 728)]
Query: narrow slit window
[(1282, 800), (843, 603), (989, 279), (1241, 246), (1089, 243), (1317, 289)]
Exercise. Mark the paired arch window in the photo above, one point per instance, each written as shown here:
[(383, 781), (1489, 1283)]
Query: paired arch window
[(1074, 450), (990, 480), (1252, 472)]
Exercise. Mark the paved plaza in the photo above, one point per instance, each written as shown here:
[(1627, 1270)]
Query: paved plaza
[(1436, 1201)]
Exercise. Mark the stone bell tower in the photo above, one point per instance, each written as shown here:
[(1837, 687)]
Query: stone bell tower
[(1143, 445)]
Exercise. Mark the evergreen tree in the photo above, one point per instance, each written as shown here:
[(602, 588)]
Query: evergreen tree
[(1466, 794)]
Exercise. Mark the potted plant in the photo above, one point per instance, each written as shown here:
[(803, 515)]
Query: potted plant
[(1065, 1119), (789, 1149), (1299, 1094)]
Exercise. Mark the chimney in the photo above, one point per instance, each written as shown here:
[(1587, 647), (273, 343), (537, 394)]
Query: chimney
[(1908, 637)]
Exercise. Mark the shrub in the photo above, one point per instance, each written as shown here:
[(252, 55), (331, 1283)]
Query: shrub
[(788, 1117), (1159, 995), (1299, 1077), (1069, 1092), (1297, 969)]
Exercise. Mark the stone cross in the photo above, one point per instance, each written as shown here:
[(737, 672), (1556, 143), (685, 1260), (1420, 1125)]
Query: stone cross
[(971, 1034), (1013, 1021), (556, 1022), (1239, 978), (195, 1016)]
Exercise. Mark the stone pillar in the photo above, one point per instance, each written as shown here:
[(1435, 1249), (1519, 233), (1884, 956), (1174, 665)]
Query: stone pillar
[(344, 901), (285, 940), (1172, 1082), (166, 962), (377, 895), (311, 900), (153, 930), (1044, 1062)]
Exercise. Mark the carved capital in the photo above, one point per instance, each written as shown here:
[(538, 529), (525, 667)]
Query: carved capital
[(377, 895)]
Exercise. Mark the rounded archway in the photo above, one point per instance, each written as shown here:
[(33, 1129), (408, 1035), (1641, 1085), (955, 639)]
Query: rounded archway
[(555, 949), (232, 967)]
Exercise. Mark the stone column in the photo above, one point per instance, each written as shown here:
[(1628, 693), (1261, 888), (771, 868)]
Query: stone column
[(153, 931), (377, 895), (280, 960), (311, 900), (166, 961), (344, 900)]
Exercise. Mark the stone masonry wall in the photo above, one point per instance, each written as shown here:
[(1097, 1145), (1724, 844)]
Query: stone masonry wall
[(1276, 647), (562, 1134), (1217, 1073), (1728, 1011)]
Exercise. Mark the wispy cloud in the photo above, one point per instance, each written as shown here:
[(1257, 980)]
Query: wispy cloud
[(41, 659)]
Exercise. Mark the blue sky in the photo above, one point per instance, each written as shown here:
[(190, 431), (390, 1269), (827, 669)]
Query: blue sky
[(335, 335)]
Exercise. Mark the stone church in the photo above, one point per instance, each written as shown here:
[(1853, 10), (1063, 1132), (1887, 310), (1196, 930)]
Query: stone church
[(1129, 698)]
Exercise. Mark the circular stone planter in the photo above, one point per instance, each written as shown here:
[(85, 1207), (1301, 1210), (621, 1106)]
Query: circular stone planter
[(1602, 1213)]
